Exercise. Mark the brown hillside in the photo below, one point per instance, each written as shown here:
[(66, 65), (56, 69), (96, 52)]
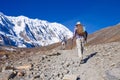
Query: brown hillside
[(110, 34)]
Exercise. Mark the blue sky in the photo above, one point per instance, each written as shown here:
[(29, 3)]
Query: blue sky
[(93, 14)]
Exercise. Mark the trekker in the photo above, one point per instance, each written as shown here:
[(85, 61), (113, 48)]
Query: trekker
[(63, 43), (81, 37)]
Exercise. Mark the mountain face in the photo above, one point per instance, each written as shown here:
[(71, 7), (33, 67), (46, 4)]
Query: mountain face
[(106, 35), (24, 32)]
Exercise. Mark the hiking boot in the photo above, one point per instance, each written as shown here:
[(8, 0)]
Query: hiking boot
[(82, 62)]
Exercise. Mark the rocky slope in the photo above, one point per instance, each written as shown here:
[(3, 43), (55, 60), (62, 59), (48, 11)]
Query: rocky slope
[(100, 62), (106, 35)]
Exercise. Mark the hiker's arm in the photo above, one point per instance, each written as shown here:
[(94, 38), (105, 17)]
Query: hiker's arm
[(73, 37), (74, 34)]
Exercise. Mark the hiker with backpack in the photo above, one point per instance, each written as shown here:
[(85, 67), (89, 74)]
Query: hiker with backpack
[(64, 42), (81, 38)]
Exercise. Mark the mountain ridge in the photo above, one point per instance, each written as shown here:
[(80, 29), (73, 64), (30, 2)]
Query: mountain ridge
[(28, 32), (105, 35)]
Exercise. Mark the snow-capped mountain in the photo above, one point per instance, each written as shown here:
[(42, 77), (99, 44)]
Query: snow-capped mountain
[(22, 31)]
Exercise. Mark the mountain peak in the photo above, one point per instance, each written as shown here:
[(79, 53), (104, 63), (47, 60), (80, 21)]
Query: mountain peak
[(22, 31)]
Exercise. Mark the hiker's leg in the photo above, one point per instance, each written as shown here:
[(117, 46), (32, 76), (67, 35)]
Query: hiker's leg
[(83, 46), (78, 44), (62, 45), (83, 42)]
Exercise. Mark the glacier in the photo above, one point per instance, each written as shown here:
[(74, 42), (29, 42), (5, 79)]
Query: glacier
[(22, 31)]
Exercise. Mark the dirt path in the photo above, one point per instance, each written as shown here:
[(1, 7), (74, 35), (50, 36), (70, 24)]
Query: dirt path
[(101, 62)]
